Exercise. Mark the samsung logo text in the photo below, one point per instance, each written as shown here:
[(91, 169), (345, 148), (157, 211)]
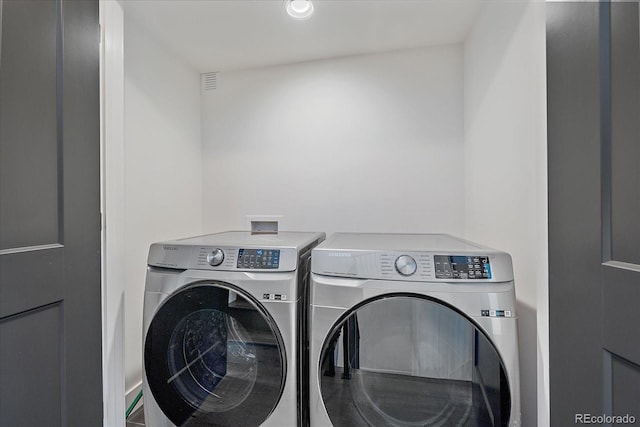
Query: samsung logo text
[(339, 254)]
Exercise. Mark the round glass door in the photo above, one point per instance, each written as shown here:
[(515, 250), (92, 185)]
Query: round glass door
[(411, 361), (213, 356)]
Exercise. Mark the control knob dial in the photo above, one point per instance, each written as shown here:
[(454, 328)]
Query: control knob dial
[(406, 265), (215, 257)]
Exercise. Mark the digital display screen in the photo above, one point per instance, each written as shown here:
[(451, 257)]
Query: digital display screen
[(462, 267), (259, 258)]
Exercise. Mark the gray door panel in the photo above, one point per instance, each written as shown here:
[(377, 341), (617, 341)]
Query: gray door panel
[(625, 388), (29, 162), (573, 113), (593, 75), (625, 134), (36, 348), (621, 271), (620, 312), (50, 295), (34, 287)]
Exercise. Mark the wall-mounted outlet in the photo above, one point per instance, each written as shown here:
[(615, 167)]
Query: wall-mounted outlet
[(264, 224), (264, 227)]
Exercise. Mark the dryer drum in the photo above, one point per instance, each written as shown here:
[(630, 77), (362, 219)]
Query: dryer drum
[(410, 360), (213, 357)]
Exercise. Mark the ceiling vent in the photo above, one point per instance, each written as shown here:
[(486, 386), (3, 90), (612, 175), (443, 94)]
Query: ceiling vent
[(209, 82)]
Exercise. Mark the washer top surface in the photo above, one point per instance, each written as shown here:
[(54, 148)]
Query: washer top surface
[(283, 239), (410, 257), (234, 251)]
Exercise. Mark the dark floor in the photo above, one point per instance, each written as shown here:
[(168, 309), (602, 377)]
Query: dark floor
[(136, 419), (460, 404), (380, 399)]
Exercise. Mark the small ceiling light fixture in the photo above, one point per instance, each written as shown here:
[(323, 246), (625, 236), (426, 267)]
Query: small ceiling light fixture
[(299, 9)]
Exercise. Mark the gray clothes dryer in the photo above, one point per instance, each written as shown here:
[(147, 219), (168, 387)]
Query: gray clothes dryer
[(412, 330), (225, 330)]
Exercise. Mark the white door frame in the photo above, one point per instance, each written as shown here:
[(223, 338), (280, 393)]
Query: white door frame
[(112, 208)]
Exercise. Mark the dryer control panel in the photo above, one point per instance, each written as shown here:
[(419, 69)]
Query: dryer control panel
[(410, 257), (414, 266), (462, 267)]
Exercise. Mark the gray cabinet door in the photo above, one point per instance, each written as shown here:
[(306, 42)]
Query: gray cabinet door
[(50, 302), (593, 75)]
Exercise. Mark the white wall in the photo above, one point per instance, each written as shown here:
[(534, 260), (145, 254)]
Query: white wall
[(163, 176), (396, 142), (361, 143), (505, 145)]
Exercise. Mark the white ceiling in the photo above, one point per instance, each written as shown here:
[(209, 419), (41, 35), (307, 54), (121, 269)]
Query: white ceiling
[(218, 35)]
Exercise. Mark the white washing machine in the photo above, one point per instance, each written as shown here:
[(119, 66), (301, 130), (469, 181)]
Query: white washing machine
[(412, 330), (225, 330)]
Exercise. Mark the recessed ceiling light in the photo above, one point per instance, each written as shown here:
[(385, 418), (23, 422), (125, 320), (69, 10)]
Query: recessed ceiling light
[(299, 9)]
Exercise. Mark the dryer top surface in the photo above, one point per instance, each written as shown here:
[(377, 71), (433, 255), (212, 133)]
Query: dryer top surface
[(401, 242)]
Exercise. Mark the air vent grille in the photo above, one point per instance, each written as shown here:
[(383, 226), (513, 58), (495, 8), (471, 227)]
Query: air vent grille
[(209, 82)]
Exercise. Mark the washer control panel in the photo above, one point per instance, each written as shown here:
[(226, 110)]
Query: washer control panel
[(224, 258), (268, 259), (246, 259)]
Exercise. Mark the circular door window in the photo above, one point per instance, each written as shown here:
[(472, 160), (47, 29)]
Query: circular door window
[(214, 356), (406, 360)]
